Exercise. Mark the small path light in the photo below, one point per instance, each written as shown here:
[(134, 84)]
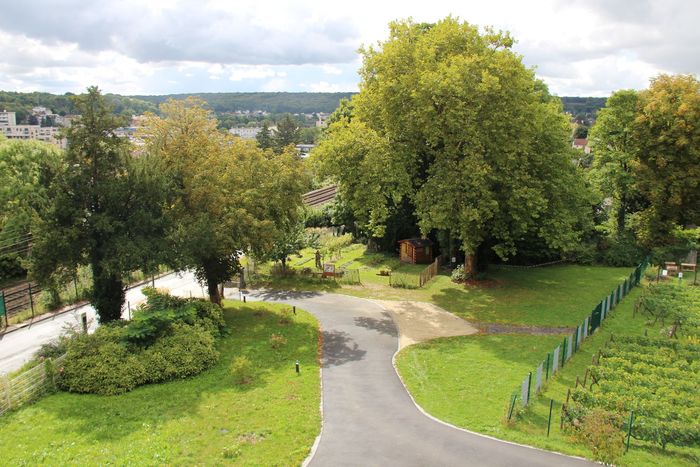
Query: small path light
[(297, 366), (83, 320), (294, 309)]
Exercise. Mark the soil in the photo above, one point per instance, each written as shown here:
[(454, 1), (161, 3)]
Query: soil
[(419, 322)]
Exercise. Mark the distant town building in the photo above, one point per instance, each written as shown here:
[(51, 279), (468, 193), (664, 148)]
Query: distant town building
[(47, 134), (321, 119), (245, 132), (7, 118), (305, 149), (582, 144)]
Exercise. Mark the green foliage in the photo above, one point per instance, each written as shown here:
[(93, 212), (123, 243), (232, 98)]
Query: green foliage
[(600, 430), (242, 370), (672, 303), (287, 133), (458, 274), (104, 210), (658, 379), (162, 311), (186, 351), (583, 109), (427, 137), (167, 338), (100, 364), (621, 250), (230, 196), (264, 137), (11, 267)]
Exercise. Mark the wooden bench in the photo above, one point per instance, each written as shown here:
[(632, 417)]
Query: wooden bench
[(672, 268), (688, 267)]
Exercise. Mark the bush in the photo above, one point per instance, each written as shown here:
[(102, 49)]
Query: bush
[(169, 338), (622, 251), (188, 351), (242, 370), (600, 430), (11, 266), (286, 316), (100, 364), (458, 274), (277, 341)]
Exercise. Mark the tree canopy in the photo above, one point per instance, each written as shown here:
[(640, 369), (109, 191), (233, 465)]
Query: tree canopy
[(228, 195), (104, 210), (450, 120)]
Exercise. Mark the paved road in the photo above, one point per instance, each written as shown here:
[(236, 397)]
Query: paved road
[(368, 417), (17, 347)]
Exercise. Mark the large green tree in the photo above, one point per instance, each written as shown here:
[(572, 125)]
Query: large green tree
[(26, 167), (614, 149), (449, 120), (229, 196), (105, 209), (667, 138)]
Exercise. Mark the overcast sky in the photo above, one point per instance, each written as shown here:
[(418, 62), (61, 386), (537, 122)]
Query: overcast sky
[(578, 47)]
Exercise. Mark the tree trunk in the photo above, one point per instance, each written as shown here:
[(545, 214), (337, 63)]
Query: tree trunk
[(213, 290), (107, 293), (284, 265), (470, 265)]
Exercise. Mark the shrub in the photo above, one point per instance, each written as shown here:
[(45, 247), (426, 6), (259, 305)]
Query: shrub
[(622, 251), (277, 341), (286, 316), (242, 370), (187, 351), (100, 364), (52, 349), (11, 266), (458, 274), (600, 430)]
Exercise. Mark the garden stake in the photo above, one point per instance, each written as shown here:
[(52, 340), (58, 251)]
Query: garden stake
[(549, 421)]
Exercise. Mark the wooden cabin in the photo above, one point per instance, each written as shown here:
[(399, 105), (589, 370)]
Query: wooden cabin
[(416, 251)]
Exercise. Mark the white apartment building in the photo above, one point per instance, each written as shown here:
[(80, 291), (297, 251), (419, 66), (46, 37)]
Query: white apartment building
[(245, 132), (46, 134), (7, 118)]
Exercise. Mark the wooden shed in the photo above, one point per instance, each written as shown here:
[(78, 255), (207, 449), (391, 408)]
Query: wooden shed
[(416, 251)]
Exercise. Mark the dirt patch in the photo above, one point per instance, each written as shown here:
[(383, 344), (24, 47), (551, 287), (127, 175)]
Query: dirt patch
[(420, 321)]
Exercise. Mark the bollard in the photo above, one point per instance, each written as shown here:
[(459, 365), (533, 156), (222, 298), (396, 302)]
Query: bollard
[(244, 299), (297, 366), (294, 309), (83, 320)]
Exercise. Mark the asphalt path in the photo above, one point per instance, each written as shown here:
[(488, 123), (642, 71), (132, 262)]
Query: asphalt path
[(368, 417), (17, 347)]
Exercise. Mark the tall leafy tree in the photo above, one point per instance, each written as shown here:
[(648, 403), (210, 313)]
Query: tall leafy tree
[(105, 209), (667, 136), (461, 129), (614, 151), (229, 196)]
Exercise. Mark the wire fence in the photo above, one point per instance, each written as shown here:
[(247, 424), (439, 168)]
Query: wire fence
[(29, 385), (557, 358)]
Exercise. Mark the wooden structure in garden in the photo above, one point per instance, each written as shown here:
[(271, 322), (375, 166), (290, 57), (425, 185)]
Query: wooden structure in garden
[(416, 251)]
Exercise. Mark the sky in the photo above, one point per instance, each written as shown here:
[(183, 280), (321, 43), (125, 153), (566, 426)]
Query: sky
[(578, 47)]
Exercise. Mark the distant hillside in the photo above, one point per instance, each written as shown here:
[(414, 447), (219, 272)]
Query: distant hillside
[(583, 108), (22, 102), (273, 102)]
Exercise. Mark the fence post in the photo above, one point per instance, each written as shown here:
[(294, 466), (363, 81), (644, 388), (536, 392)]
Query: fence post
[(549, 421), (31, 301), (512, 406), (546, 377)]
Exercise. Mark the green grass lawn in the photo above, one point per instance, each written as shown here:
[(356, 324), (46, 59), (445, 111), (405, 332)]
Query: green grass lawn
[(467, 381), (548, 296), (205, 420)]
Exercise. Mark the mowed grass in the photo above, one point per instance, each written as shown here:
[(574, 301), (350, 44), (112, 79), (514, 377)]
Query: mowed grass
[(467, 381), (205, 420), (548, 296)]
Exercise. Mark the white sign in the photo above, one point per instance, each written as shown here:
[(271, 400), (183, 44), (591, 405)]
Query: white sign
[(664, 272)]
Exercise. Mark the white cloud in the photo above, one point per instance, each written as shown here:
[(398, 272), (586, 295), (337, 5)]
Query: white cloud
[(578, 46)]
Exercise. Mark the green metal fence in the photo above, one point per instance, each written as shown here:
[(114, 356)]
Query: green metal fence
[(557, 358)]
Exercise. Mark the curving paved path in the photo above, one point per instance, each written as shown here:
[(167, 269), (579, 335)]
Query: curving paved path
[(368, 417)]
